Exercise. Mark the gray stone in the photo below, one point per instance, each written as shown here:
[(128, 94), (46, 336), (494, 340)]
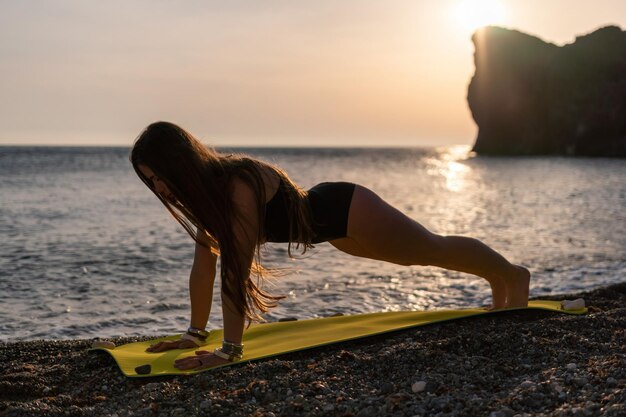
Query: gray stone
[(368, 411), (580, 382), (298, 399), (505, 412), (387, 388), (418, 386), (178, 412)]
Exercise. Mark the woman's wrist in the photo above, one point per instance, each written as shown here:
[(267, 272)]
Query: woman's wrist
[(188, 337), (199, 333), (196, 335), (230, 351)]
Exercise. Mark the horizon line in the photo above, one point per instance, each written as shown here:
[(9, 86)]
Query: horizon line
[(10, 145)]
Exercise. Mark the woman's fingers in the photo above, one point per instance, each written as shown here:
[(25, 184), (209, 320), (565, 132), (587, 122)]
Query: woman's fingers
[(211, 360), (201, 361), (187, 344), (172, 344), (154, 347), (161, 346), (190, 362)]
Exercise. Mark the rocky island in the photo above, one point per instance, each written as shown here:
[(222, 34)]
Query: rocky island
[(530, 97)]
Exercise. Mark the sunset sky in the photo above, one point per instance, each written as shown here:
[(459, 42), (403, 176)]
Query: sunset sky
[(259, 73)]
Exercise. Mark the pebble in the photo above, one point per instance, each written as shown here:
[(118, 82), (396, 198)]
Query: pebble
[(386, 388), (418, 386), (151, 386), (270, 397), (205, 405), (528, 384), (178, 412), (506, 412), (368, 411), (298, 399), (577, 412), (611, 382), (571, 366), (103, 344)]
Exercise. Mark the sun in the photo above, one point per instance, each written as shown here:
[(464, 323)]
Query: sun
[(473, 14)]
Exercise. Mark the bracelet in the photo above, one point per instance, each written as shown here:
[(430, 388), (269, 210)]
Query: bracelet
[(230, 358), (233, 349), (199, 333), (187, 336)]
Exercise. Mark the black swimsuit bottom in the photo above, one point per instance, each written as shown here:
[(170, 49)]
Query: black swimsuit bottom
[(330, 206)]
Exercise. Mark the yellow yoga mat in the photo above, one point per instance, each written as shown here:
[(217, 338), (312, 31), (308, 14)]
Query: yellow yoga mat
[(271, 339)]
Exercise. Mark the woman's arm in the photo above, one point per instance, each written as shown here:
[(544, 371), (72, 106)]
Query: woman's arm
[(201, 280), (245, 233)]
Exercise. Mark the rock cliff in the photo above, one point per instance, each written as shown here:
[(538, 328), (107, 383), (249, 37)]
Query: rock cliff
[(531, 97)]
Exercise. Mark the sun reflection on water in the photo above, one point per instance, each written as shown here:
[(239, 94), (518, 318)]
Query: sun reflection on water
[(448, 164)]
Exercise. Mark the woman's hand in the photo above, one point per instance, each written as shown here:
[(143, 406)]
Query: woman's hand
[(203, 359), (171, 344)]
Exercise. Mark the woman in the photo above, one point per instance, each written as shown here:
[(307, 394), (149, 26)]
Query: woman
[(230, 205)]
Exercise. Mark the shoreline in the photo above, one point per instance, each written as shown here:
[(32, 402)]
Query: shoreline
[(516, 363)]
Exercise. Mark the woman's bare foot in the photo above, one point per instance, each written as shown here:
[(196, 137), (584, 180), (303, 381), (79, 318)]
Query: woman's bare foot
[(517, 288)]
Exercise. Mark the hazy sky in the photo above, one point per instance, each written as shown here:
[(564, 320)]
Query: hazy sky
[(258, 72)]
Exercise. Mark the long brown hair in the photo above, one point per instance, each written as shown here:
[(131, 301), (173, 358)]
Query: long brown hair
[(199, 177)]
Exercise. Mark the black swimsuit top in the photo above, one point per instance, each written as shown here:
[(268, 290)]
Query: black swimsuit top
[(277, 216)]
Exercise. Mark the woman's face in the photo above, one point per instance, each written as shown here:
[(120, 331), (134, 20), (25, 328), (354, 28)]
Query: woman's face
[(157, 185)]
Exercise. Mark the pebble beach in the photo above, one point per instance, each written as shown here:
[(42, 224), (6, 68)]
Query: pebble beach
[(515, 363)]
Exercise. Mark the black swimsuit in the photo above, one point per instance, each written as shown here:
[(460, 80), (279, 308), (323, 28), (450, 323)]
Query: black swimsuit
[(330, 206)]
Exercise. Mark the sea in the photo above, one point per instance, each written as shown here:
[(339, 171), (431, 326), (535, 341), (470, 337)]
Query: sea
[(86, 250)]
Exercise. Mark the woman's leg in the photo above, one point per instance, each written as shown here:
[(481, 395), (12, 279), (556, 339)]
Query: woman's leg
[(376, 230)]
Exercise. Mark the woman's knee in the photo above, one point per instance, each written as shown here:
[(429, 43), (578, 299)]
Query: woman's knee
[(430, 251)]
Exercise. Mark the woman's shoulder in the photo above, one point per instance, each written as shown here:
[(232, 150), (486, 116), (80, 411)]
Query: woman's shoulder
[(239, 187)]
